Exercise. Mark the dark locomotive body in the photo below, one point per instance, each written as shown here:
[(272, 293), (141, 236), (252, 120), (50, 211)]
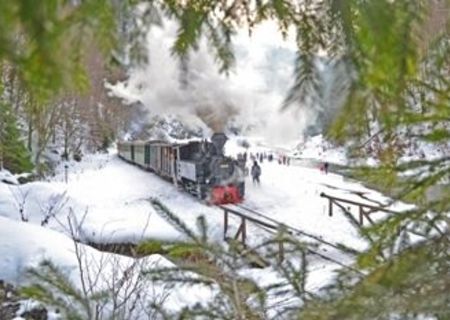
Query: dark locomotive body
[(200, 167)]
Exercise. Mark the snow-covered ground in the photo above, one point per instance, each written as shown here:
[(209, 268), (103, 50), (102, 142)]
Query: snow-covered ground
[(25, 245), (7, 177), (107, 200), (110, 199)]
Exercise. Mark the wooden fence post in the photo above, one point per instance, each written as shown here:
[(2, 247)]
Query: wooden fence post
[(281, 251), (361, 215), (225, 224), (244, 232)]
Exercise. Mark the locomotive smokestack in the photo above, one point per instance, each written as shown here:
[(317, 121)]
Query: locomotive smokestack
[(219, 140)]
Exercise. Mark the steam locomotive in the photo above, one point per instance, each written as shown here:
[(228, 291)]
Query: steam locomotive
[(200, 167)]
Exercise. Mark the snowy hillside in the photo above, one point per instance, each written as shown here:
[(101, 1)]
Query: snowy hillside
[(106, 200)]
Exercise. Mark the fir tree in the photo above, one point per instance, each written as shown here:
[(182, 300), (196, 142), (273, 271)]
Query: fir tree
[(13, 154)]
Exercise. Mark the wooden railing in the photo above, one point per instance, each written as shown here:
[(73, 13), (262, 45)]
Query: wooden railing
[(241, 233), (364, 209), (272, 227)]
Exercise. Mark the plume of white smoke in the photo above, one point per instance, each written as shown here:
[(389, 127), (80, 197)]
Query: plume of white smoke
[(250, 96)]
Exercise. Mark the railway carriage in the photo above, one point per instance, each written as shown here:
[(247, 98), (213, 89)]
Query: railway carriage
[(200, 167), (125, 150), (138, 153)]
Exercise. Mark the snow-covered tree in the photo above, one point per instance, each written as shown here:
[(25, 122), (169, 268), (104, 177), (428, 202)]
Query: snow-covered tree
[(14, 156)]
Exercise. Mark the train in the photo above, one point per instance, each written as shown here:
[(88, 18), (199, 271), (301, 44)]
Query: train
[(199, 167)]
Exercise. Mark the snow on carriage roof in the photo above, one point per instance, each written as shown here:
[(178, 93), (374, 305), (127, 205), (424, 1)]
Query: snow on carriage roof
[(171, 141)]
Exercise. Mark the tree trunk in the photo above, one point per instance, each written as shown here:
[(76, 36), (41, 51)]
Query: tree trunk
[(30, 133)]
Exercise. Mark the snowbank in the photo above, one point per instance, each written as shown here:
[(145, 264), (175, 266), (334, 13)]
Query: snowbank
[(24, 245), (8, 177)]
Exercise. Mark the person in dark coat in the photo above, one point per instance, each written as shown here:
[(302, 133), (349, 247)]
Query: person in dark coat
[(324, 167), (256, 172)]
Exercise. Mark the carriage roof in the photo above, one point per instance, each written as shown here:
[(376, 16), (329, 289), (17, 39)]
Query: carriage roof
[(160, 143)]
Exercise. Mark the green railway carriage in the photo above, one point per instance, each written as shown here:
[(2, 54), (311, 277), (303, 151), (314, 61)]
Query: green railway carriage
[(199, 166), (139, 154), (155, 156), (126, 151)]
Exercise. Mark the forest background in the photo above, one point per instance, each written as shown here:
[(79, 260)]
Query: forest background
[(55, 55)]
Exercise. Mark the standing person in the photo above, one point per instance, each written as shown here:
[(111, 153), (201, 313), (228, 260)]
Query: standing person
[(256, 172), (325, 167)]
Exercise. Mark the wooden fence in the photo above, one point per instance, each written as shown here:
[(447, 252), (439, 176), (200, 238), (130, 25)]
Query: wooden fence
[(241, 233), (364, 210)]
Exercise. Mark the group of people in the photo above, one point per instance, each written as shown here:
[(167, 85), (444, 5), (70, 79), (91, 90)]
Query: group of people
[(255, 170), (261, 156)]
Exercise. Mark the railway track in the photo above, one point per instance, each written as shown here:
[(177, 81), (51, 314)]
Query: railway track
[(323, 249)]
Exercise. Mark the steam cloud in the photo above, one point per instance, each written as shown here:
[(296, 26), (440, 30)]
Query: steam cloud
[(250, 97)]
